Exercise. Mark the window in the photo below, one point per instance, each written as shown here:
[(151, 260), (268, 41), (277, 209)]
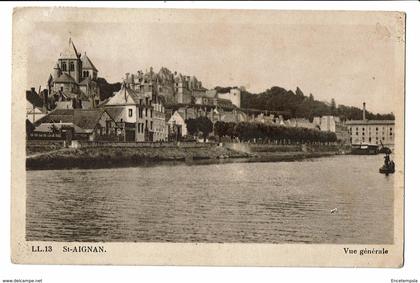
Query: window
[(130, 112), (141, 113), (376, 128), (108, 127), (138, 127), (71, 66), (151, 113), (142, 127), (147, 124), (146, 114), (151, 125), (63, 66)]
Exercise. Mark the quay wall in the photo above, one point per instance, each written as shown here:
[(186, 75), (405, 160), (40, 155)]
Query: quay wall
[(275, 148), (104, 157), (39, 146)]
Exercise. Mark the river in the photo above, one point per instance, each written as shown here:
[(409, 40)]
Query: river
[(265, 202)]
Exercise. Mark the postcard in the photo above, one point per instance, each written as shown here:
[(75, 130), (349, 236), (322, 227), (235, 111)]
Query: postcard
[(208, 137)]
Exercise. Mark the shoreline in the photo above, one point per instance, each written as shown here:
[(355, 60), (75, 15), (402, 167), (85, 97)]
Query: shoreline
[(103, 157)]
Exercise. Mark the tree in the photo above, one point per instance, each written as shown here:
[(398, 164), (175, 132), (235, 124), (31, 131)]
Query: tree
[(205, 126), (299, 105), (332, 105), (299, 92), (311, 97), (191, 126), (221, 128), (106, 89)]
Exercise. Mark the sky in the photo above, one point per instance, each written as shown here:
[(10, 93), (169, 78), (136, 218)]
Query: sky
[(346, 57)]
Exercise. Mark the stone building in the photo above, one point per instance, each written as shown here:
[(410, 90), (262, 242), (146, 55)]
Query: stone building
[(177, 126), (139, 115), (174, 87), (234, 96), (371, 131), (74, 79), (177, 88), (75, 124), (326, 123), (158, 126)]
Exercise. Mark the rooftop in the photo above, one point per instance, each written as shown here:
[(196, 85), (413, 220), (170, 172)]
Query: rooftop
[(87, 64), (64, 78), (70, 52), (85, 119), (370, 122)]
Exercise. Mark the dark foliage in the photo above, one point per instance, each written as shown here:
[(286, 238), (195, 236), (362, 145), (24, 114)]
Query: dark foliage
[(301, 106), (106, 89), (201, 124), (246, 131)]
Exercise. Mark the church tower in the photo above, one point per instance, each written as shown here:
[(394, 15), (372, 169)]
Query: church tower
[(70, 62)]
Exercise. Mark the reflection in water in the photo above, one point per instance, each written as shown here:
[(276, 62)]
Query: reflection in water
[(272, 202)]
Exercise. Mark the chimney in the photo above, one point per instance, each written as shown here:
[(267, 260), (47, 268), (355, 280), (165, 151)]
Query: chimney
[(126, 76), (364, 111), (45, 100)]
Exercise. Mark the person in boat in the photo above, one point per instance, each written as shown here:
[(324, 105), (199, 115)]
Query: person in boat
[(387, 159)]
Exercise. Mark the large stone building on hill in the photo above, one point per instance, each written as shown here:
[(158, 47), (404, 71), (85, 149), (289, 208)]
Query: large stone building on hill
[(175, 87), (181, 89)]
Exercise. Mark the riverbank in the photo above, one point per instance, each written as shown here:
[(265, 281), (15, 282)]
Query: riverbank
[(102, 157), (109, 157)]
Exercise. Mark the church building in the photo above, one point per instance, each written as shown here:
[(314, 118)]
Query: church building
[(73, 80)]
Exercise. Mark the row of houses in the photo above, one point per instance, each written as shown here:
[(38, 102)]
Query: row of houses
[(134, 116), (154, 106), (140, 116)]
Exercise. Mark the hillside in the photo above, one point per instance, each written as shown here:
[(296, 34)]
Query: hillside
[(302, 106)]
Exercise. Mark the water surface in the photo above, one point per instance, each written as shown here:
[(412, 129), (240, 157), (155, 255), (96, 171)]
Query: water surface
[(270, 202)]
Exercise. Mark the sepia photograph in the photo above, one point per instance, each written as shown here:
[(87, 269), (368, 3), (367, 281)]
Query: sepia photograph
[(180, 134)]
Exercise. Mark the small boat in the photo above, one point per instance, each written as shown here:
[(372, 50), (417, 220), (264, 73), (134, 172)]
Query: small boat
[(364, 149), (387, 169)]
